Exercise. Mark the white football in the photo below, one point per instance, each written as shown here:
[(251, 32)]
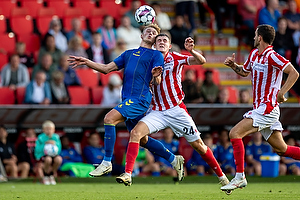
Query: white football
[(145, 15), (50, 150)]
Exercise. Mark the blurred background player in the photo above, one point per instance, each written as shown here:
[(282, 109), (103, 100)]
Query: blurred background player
[(47, 165), (93, 152), (112, 92)]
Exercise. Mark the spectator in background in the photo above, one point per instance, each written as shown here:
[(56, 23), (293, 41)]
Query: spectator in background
[(78, 31), (179, 32), (49, 47), (135, 4), (191, 87), (172, 145), (14, 74), (292, 16), (94, 152), (38, 90), (48, 165), (25, 59), (224, 153), (254, 149), (186, 8), (162, 19), (97, 51), (46, 66), (293, 166), (282, 41), (209, 89), (244, 96), (75, 48), (109, 33), (59, 90), (129, 34), (70, 75), (112, 92), (120, 48), (223, 96), (55, 29), (196, 163), (9, 158), (269, 14), (25, 150)]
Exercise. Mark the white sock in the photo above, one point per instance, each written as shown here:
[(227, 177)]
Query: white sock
[(173, 163), (128, 174), (240, 176), (222, 176), (106, 163)]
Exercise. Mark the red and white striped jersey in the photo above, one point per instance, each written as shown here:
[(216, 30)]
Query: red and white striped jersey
[(169, 93), (266, 70)]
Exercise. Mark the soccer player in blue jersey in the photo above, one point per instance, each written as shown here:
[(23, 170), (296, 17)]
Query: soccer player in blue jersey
[(141, 66)]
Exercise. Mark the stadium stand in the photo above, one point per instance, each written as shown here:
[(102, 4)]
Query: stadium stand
[(97, 94), (88, 77), (86, 4), (33, 6), (104, 78), (22, 24), (59, 6), (7, 96), (19, 12), (8, 42), (3, 27), (3, 60), (8, 5), (20, 94), (96, 18), (32, 42), (79, 95)]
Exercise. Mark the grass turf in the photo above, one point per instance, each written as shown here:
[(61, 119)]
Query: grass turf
[(153, 188)]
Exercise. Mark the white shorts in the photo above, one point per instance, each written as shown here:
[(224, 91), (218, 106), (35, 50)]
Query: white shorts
[(177, 118), (266, 123)]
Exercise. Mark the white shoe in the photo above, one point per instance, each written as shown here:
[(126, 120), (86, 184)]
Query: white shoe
[(223, 180), (124, 178), (52, 180), (101, 170), (235, 183), (179, 167), (46, 180), (2, 178)]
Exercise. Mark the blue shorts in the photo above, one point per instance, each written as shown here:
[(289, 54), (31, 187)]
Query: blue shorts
[(133, 110)]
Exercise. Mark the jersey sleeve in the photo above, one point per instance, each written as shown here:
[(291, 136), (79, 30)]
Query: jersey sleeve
[(278, 61), (247, 64), (158, 59), (183, 58), (120, 61)]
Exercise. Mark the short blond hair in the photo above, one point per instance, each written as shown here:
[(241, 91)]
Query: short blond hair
[(48, 123), (155, 26)]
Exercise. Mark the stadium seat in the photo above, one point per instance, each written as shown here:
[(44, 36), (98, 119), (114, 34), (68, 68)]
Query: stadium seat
[(3, 60), (33, 6), (32, 42), (233, 94), (22, 24), (19, 12), (7, 43), (3, 27), (96, 18), (8, 5), (122, 138), (7, 96), (20, 94), (59, 6), (45, 11), (69, 15), (42, 23), (114, 9), (79, 95), (104, 78), (88, 77), (97, 94), (88, 5)]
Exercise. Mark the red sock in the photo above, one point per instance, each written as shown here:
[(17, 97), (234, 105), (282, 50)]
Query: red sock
[(238, 153), (209, 158), (132, 152), (293, 152)]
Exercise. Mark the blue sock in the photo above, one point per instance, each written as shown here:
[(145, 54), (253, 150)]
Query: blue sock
[(156, 174), (109, 141), (156, 147)]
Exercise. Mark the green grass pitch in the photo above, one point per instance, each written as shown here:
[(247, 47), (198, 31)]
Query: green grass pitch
[(152, 188)]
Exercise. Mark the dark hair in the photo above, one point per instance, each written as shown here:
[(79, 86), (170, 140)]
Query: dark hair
[(281, 18), (267, 33), (163, 34)]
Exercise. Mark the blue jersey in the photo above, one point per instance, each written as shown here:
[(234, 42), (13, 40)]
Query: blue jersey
[(172, 147), (224, 156), (137, 65), (256, 151)]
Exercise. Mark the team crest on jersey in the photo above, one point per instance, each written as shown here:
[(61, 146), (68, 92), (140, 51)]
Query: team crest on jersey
[(137, 53), (168, 59)]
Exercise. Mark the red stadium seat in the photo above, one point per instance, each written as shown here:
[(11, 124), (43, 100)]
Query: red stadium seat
[(69, 15), (20, 94), (59, 6), (88, 5), (79, 95), (33, 6), (233, 94), (114, 9), (3, 27), (88, 77), (96, 18), (45, 12), (7, 43), (22, 25), (3, 60), (32, 42), (19, 12), (104, 78), (97, 94), (185, 148), (42, 23), (7, 6), (7, 96)]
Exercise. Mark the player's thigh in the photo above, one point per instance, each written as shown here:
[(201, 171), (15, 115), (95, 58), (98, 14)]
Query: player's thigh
[(243, 128), (277, 142), (139, 131), (155, 121)]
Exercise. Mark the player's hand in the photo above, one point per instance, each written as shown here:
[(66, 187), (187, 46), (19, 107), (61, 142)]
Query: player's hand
[(229, 61), (156, 71), (189, 44), (76, 61), (50, 142), (281, 98)]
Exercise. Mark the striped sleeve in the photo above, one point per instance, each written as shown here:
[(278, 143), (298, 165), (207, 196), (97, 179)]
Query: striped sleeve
[(247, 64), (278, 61)]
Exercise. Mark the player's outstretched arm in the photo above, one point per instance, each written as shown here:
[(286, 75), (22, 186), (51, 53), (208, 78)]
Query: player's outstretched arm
[(290, 81), (230, 62), (156, 74), (76, 61), (196, 58)]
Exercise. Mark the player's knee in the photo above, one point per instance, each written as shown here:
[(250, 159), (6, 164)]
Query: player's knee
[(108, 119), (134, 134)]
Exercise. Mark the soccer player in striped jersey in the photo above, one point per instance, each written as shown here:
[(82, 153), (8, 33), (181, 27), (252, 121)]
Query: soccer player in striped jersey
[(266, 68), (168, 109), (141, 66)]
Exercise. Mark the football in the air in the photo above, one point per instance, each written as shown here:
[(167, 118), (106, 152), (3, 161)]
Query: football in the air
[(145, 15), (50, 150)]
